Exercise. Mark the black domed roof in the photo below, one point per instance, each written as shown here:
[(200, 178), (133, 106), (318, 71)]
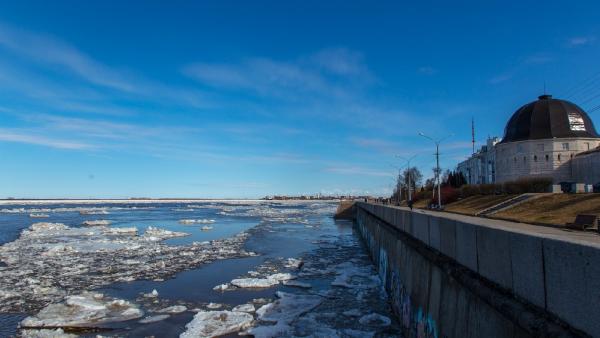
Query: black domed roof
[(548, 118)]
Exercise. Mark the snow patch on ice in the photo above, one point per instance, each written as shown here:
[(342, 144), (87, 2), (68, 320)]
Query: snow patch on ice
[(196, 221), (249, 308), (46, 333), (173, 309), (254, 282), (216, 323), (100, 222), (85, 310), (153, 319)]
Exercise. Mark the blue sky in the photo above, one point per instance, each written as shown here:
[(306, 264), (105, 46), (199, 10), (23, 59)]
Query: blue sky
[(246, 99)]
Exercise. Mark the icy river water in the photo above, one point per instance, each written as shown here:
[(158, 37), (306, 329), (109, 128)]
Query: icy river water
[(190, 269)]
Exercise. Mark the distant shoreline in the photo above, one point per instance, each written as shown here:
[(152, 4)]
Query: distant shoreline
[(32, 201)]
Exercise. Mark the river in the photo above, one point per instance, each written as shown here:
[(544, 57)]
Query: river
[(321, 263)]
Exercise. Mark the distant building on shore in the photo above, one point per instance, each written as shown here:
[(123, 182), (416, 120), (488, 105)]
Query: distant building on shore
[(545, 138), (480, 167)]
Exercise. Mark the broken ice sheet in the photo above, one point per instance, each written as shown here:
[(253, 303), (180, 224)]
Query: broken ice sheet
[(287, 307), (46, 333), (216, 323), (51, 260), (85, 310)]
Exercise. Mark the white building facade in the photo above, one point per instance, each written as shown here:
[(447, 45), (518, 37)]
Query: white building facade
[(541, 139), (480, 168)]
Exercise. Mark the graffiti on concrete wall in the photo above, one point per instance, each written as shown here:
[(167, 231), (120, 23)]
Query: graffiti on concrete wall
[(412, 316)]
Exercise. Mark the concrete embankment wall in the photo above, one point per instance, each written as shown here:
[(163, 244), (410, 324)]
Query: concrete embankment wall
[(453, 276)]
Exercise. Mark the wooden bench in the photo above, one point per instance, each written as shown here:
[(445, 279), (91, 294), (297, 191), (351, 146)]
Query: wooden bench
[(583, 221)]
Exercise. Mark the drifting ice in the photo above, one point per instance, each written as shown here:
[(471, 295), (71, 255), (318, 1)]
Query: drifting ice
[(197, 221), (216, 323), (85, 310), (254, 282), (51, 260), (96, 223)]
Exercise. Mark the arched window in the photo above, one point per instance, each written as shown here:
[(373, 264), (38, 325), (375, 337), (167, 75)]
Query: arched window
[(515, 159), (547, 157), (534, 158), (571, 156), (524, 159), (559, 157)]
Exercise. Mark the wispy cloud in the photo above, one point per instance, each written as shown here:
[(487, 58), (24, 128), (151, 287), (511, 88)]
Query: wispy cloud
[(50, 51), (427, 70), (500, 78), (580, 41), (29, 137), (359, 171), (314, 74)]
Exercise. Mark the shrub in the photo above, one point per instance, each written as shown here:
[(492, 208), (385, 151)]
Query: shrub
[(469, 190), (520, 186), (449, 195), (528, 185)]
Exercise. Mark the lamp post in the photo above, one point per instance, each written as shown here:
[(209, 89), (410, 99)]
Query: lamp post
[(437, 161), (408, 172)]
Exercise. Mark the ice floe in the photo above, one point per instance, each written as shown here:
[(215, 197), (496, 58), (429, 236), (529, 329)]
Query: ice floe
[(297, 284), (249, 308), (223, 287), (173, 309), (99, 222), (152, 294), (216, 323), (46, 333), (293, 263), (352, 276), (51, 260), (85, 310), (197, 221), (39, 215), (254, 282), (206, 228), (153, 319), (282, 312), (158, 234)]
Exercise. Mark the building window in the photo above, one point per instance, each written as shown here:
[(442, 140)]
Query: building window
[(515, 159), (558, 157), (535, 158), (524, 159), (565, 146), (587, 146), (547, 157), (571, 156), (519, 148)]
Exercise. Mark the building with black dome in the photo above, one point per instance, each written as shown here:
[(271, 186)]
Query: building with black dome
[(540, 139)]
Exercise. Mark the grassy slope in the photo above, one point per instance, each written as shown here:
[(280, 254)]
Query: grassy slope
[(472, 205), (553, 209)]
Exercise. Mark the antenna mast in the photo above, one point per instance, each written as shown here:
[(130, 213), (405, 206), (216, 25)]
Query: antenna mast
[(473, 133)]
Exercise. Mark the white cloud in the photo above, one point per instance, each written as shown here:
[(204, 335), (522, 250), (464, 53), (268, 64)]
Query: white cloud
[(342, 61), (359, 171), (580, 41), (52, 52), (29, 137), (427, 70), (500, 78), (317, 74)]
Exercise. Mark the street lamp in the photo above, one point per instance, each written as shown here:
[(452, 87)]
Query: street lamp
[(408, 172), (437, 160)]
